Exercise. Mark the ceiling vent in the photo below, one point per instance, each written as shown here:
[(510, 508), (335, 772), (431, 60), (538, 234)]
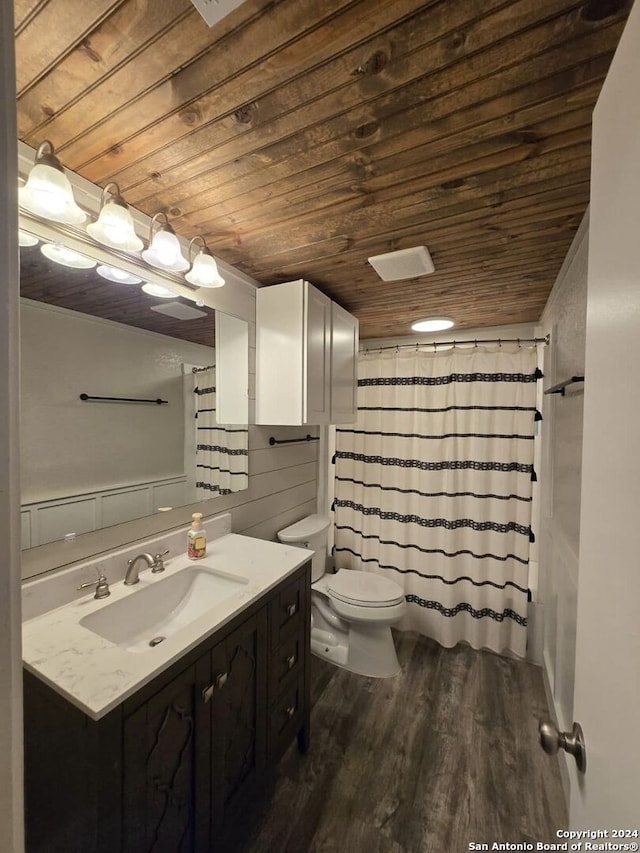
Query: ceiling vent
[(179, 311), (406, 263), (215, 10)]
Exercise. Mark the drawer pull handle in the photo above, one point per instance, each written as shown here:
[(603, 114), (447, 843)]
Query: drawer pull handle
[(290, 711), (220, 681), (292, 609), (291, 661)]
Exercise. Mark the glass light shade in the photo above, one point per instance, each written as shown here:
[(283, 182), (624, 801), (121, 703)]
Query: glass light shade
[(158, 290), (119, 276), (204, 272), (48, 193), (66, 257), (165, 253), (115, 228), (25, 239), (433, 324)]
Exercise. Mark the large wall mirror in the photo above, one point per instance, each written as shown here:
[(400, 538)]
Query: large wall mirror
[(92, 463)]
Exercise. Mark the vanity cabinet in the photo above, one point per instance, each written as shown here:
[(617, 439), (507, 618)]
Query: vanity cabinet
[(306, 351), (176, 767)]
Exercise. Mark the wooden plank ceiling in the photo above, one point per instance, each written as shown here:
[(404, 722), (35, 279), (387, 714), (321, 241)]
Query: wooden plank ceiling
[(299, 137)]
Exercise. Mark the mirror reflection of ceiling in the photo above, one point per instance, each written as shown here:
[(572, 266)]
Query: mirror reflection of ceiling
[(81, 290)]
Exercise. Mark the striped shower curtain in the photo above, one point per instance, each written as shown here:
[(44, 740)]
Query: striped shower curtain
[(433, 488), (221, 450)]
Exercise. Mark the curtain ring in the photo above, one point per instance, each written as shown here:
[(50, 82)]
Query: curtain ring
[(475, 343), (518, 343), (499, 343)]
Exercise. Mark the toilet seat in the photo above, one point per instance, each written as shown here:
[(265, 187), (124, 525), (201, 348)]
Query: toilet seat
[(363, 589)]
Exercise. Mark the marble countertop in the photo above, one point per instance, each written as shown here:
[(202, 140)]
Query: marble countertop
[(96, 675)]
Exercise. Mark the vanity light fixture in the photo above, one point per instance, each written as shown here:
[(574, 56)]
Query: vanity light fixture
[(433, 324), (115, 227), (164, 247), (25, 239), (158, 290), (117, 275), (204, 270), (67, 257), (48, 192)]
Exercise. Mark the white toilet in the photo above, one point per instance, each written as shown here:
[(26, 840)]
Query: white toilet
[(351, 611)]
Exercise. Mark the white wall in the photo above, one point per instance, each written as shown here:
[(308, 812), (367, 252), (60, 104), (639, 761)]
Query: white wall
[(11, 799), (69, 446), (564, 318)]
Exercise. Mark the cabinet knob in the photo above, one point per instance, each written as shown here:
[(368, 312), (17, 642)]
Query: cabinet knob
[(207, 693), (290, 711), (292, 609), (291, 660), (221, 679)]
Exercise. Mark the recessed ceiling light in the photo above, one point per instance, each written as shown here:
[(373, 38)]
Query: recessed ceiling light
[(158, 290), (119, 276), (67, 257), (433, 324)]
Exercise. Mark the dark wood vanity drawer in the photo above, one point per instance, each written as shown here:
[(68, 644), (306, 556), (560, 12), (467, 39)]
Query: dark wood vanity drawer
[(286, 715), (286, 662), (287, 612)]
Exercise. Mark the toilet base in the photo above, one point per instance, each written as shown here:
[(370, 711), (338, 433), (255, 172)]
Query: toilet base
[(361, 649)]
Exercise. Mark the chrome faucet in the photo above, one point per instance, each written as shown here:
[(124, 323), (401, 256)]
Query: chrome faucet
[(156, 564)]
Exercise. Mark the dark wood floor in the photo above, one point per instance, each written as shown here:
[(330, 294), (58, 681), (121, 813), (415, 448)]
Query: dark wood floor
[(444, 754)]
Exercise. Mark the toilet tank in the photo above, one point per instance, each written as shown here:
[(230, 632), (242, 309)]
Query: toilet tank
[(310, 532)]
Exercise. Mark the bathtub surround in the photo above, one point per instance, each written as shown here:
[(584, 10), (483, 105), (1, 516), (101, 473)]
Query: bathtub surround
[(433, 487)]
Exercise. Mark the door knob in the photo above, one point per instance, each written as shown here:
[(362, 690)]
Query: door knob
[(551, 740)]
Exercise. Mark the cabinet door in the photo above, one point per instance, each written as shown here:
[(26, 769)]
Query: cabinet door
[(317, 362), (344, 360), (160, 771), (237, 702)]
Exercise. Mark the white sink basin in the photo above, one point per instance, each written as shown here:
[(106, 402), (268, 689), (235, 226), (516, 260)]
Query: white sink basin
[(153, 612)]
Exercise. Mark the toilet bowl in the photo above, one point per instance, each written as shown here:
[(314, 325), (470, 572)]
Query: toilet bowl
[(351, 611)]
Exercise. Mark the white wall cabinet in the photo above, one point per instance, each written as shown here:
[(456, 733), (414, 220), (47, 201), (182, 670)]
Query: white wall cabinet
[(306, 349)]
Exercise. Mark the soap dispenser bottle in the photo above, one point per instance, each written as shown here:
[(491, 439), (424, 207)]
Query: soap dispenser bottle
[(196, 538)]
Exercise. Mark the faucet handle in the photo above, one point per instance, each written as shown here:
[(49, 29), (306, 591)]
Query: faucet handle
[(102, 585), (158, 562)]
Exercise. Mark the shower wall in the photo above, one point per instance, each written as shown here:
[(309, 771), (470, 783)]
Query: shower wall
[(564, 318)]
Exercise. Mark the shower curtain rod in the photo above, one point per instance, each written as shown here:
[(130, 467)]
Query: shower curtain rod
[(474, 341)]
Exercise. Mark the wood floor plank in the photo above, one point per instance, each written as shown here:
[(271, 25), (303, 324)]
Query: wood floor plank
[(444, 754)]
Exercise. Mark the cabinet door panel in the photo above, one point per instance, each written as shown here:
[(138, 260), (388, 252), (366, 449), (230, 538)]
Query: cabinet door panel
[(238, 727), (344, 359), (159, 771), (316, 393)]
